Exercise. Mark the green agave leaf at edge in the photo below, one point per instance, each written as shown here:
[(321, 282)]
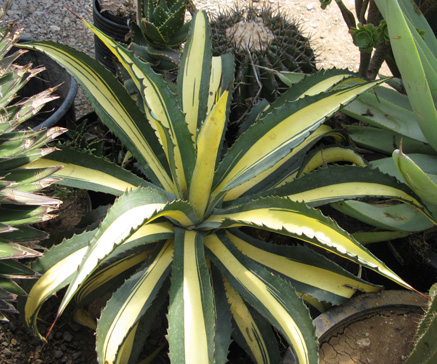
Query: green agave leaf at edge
[(406, 46), (415, 177)]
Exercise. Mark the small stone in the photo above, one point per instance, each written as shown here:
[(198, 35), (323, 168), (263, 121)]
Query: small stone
[(310, 6), (77, 355), (363, 343), (67, 336), (58, 354), (14, 341), (7, 353), (54, 28)]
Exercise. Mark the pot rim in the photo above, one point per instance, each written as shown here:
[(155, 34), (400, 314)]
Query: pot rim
[(363, 305)]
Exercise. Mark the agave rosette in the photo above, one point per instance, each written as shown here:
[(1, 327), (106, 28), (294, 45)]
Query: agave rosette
[(20, 203), (181, 232)]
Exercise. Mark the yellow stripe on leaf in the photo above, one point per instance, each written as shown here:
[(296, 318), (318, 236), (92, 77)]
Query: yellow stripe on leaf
[(208, 143), (128, 314), (258, 288), (82, 174), (314, 276), (196, 345), (305, 226)]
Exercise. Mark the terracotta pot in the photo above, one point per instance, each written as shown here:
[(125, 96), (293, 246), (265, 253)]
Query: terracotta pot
[(370, 328)]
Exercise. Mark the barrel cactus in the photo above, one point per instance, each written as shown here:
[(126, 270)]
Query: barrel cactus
[(260, 40)]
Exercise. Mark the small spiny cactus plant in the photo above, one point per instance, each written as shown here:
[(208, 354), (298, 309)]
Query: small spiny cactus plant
[(260, 40), (425, 350)]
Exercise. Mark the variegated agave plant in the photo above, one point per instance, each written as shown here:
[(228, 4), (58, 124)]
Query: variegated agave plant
[(182, 233), (20, 203)]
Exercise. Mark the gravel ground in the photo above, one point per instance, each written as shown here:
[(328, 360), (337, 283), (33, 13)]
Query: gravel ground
[(50, 20)]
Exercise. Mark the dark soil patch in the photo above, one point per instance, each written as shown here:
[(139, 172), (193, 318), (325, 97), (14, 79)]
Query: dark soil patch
[(385, 337), (68, 343)]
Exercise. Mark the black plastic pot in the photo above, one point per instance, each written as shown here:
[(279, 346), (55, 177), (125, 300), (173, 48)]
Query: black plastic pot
[(335, 322), (57, 112), (112, 25)]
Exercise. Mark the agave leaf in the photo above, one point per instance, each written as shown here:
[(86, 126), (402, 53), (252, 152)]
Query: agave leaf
[(129, 212), (338, 183), (208, 149), (322, 81), (369, 237), (223, 323), (12, 195), (426, 43), (331, 154), (284, 170), (310, 273), (385, 141), (12, 287), (417, 19), (277, 132), (82, 170), (58, 265), (399, 217), (162, 105), (290, 78), (15, 215), (110, 276), (16, 251), (175, 20), (222, 74), (295, 219), (428, 163), (406, 47), (387, 109), (415, 177), (194, 74), (191, 311), (252, 332), (136, 295), (261, 289), (124, 258), (13, 269), (119, 111)]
